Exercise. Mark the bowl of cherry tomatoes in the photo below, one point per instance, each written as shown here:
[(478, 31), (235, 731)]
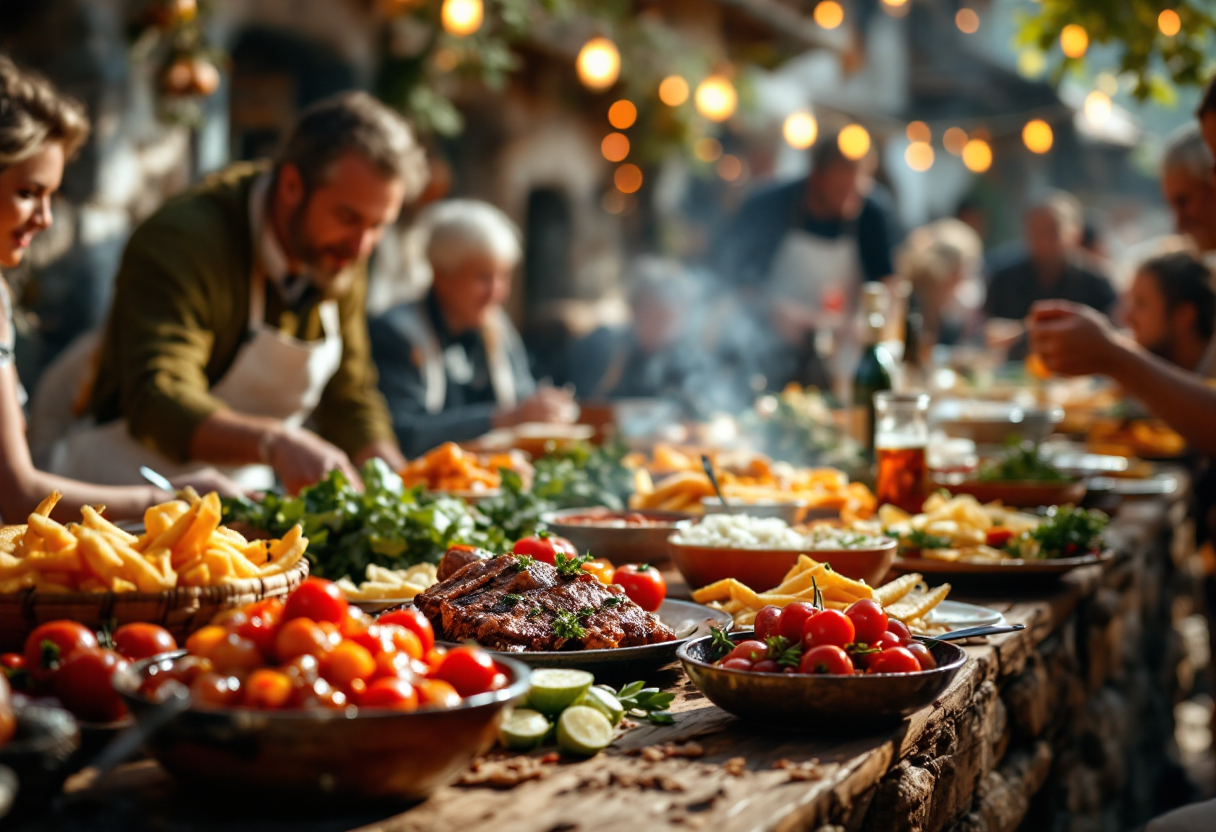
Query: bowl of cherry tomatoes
[(825, 670), (310, 697)]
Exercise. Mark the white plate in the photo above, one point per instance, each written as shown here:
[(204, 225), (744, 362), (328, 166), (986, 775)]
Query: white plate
[(957, 614)]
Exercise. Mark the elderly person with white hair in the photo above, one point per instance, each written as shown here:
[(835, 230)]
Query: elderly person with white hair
[(943, 261), (1188, 183), (452, 365)]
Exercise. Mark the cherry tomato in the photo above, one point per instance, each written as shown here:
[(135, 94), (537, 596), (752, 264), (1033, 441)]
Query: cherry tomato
[(895, 660), (643, 584), (12, 670), (301, 637), (826, 659), (395, 694), (303, 669), (436, 692), (202, 642), (766, 666), (399, 638), (355, 623), (888, 640), (600, 568), (737, 664), (751, 650), (544, 547), (12, 661), (998, 536), (411, 618), (230, 619), (263, 632), (51, 644), (267, 689), (318, 599), (869, 620), (922, 654), (434, 657), (216, 691), (142, 641), (316, 694), (766, 622), (348, 662), (828, 627), (82, 684), (236, 655), (894, 625), (469, 670), (793, 620)]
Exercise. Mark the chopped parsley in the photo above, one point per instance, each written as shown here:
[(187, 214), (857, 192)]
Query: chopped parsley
[(567, 626), (511, 599), (570, 567), (612, 601), (522, 562), (920, 539), (534, 612)]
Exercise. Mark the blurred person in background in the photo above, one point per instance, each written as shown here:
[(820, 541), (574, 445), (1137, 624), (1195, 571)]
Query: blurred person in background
[(803, 249), (943, 262), (1054, 268), (654, 355), (238, 314), (40, 130), (1188, 183), (1171, 310), (452, 365)]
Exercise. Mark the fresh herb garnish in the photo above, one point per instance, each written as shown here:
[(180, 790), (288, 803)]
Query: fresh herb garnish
[(782, 652), (612, 601), (511, 599), (566, 625), (719, 641), (642, 702), (570, 567), (920, 539), (1020, 462), (1068, 532), (522, 562), (534, 612), (586, 612)]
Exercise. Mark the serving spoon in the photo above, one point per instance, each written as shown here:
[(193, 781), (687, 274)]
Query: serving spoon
[(713, 480), (973, 632)]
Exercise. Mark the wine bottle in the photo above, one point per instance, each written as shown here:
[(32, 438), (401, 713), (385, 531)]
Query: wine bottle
[(875, 369)]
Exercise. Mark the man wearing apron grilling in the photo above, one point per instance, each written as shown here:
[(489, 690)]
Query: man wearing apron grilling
[(238, 315), (803, 249)]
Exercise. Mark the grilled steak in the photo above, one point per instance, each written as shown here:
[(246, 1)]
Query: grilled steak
[(513, 603)]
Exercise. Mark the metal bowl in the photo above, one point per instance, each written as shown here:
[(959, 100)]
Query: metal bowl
[(1019, 494), (626, 544), (824, 704), (763, 569), (313, 753), (992, 423)]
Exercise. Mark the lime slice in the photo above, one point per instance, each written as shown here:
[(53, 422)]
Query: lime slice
[(583, 731), (553, 690), (523, 730), (604, 702)]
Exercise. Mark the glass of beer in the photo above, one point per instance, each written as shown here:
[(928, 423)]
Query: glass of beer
[(901, 436)]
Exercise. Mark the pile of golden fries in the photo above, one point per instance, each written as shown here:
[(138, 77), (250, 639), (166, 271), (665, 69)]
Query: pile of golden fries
[(961, 520), (391, 584), (906, 598), (759, 482), (183, 545)]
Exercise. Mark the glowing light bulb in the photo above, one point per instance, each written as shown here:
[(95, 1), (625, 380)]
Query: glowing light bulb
[(1037, 136), (1074, 40), (1031, 63), (954, 140), (598, 64), (918, 131), (977, 156), (967, 21), (800, 130), (854, 142), (707, 149), (1097, 107), (716, 98), (1169, 23), (919, 156), (628, 179), (462, 17), (615, 147), (729, 168), (673, 91), (829, 14), (622, 114)]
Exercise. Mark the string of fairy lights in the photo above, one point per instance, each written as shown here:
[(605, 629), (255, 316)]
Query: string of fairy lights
[(715, 98)]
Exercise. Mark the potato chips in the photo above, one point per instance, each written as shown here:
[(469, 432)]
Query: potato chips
[(391, 584), (183, 545), (961, 522)]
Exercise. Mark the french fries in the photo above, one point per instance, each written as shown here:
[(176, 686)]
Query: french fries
[(905, 598), (384, 584), (183, 545), (758, 482)]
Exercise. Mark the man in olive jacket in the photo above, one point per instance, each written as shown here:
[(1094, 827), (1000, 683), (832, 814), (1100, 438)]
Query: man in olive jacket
[(239, 314)]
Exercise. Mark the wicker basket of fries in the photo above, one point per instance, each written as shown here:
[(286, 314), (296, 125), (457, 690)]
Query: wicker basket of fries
[(179, 573)]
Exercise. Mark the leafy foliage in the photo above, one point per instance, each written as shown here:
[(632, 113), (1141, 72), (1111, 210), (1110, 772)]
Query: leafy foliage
[(1020, 462), (1152, 58)]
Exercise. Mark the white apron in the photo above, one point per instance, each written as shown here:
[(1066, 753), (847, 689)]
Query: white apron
[(824, 275), (273, 375)]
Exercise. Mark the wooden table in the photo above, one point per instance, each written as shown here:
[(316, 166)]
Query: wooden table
[(1039, 721)]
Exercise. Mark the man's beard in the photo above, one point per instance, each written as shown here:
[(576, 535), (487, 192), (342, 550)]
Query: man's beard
[(323, 276)]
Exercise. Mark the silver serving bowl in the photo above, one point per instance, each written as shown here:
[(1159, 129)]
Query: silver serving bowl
[(310, 753), (823, 704), (619, 544), (992, 423)]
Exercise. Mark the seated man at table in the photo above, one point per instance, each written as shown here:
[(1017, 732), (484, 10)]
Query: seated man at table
[(1054, 268), (452, 365), (1171, 310), (238, 314)]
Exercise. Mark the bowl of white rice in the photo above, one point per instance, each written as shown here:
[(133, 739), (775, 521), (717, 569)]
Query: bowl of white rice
[(758, 551)]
